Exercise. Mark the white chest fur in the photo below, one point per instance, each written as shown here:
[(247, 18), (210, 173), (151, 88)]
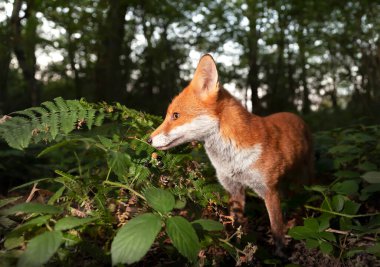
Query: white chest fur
[(235, 166)]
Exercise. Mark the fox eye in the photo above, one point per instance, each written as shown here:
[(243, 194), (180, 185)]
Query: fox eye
[(175, 115)]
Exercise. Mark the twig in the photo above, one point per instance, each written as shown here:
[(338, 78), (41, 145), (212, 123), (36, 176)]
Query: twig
[(34, 190), (341, 214), (5, 118), (125, 187)]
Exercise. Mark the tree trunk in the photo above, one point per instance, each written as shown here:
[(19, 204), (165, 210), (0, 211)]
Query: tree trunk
[(109, 85), (71, 49), (5, 59), (24, 48), (253, 73), (305, 94)]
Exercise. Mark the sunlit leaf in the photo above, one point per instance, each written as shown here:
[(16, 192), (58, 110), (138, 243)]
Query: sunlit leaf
[(135, 238), (40, 249)]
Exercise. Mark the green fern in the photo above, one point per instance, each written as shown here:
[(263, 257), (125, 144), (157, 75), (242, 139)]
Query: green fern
[(48, 122)]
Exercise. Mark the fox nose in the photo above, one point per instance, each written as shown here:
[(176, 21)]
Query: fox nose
[(149, 140)]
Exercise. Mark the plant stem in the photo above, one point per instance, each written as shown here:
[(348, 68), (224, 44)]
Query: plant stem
[(125, 187), (341, 214)]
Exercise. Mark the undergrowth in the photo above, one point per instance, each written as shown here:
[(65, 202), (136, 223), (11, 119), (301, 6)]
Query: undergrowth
[(101, 195)]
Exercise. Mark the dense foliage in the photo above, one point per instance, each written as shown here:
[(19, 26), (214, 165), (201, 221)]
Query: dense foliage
[(105, 196), (279, 55)]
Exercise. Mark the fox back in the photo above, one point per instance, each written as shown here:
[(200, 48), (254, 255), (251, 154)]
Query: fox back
[(246, 150)]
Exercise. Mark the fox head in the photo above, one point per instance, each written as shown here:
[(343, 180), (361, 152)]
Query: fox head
[(192, 115)]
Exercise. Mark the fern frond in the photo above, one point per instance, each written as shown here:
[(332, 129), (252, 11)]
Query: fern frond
[(46, 123)]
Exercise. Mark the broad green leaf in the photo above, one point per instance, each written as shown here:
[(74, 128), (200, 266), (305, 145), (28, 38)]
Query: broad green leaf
[(316, 188), (56, 195), (312, 243), (32, 208), (13, 242), (38, 221), (351, 207), (312, 224), (159, 199), (118, 162), (327, 235), (349, 187), (346, 174), (337, 202), (375, 249), (368, 191), (301, 232), (183, 236), (372, 177), (180, 203), (6, 201), (326, 247), (134, 239), (324, 221), (71, 222), (343, 149), (367, 166), (209, 225), (40, 249)]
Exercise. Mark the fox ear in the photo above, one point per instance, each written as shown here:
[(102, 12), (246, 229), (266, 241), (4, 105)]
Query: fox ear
[(205, 80)]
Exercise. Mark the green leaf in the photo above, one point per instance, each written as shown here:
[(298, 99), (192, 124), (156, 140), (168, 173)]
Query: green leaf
[(32, 208), (316, 188), (367, 166), (301, 232), (135, 238), (180, 203), (161, 200), (118, 162), (326, 247), (337, 202), (312, 243), (40, 249), (38, 221), (183, 237), (71, 222), (369, 190), (372, 177), (375, 249), (324, 221), (6, 201), (13, 242), (351, 207), (346, 174), (343, 149), (209, 225), (56, 195), (312, 224), (349, 187)]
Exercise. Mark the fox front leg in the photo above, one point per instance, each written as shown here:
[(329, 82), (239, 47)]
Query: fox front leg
[(236, 201)]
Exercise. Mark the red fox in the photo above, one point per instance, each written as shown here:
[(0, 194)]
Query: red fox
[(246, 150)]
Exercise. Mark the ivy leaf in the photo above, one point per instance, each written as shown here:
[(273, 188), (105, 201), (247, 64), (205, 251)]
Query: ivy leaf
[(32, 208), (209, 225), (40, 249), (71, 222), (183, 237), (161, 200), (134, 239)]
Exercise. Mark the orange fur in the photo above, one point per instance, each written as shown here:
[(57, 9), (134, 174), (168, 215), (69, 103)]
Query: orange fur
[(282, 139)]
